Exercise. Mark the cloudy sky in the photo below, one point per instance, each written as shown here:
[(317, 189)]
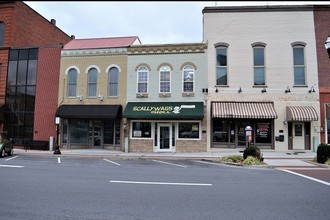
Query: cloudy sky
[(158, 22)]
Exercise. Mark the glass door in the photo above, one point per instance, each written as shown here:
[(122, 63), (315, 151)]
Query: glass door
[(164, 134), (95, 134)]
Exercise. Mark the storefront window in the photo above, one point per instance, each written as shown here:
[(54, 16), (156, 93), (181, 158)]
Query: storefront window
[(108, 132), (263, 132), (141, 130), (79, 131), (189, 130)]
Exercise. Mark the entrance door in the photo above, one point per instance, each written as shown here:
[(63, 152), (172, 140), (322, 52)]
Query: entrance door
[(95, 134), (298, 137), (164, 137)]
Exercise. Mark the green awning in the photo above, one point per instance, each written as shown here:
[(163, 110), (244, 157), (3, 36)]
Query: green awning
[(164, 110)]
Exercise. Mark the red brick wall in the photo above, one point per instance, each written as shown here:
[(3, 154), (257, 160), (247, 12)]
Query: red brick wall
[(322, 30), (46, 93)]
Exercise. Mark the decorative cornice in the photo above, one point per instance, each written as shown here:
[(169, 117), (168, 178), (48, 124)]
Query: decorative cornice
[(94, 52), (167, 49)]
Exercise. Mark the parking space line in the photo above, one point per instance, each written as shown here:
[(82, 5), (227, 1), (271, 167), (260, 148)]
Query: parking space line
[(169, 163), (10, 158), (161, 183), (307, 177), (11, 166), (112, 162), (58, 160)]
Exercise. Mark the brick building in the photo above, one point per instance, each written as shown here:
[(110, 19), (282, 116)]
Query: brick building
[(30, 49)]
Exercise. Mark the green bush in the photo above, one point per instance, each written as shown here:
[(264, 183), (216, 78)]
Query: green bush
[(250, 160), (253, 151), (327, 162), (323, 153), (233, 158)]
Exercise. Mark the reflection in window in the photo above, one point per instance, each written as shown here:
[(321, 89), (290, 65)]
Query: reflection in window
[(188, 78), (141, 130), (221, 66), (92, 82), (299, 65), (142, 79), (165, 79), (72, 83), (189, 130), (113, 81), (259, 65), (2, 33), (78, 131), (263, 132)]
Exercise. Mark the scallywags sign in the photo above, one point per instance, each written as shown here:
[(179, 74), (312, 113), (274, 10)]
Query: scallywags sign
[(162, 110)]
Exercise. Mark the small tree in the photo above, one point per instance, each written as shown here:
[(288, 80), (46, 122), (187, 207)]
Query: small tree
[(323, 153), (253, 151)]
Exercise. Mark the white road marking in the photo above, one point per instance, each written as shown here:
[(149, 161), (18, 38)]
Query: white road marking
[(169, 163), (162, 183), (12, 166), (112, 162), (10, 158), (59, 160), (307, 177)]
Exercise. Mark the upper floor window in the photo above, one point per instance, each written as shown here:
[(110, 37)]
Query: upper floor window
[(92, 82), (299, 64), (72, 83), (2, 33), (165, 79), (113, 81), (142, 79), (188, 78), (259, 64), (221, 66)]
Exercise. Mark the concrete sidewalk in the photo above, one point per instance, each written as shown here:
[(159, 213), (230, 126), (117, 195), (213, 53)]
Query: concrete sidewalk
[(293, 158)]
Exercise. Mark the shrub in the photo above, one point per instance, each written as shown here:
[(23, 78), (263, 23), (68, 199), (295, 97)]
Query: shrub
[(327, 162), (233, 159), (253, 151), (250, 160), (323, 153)]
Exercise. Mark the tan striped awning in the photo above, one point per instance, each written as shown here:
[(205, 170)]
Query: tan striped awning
[(260, 110), (301, 113)]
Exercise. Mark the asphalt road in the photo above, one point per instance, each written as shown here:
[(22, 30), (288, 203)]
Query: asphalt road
[(74, 188)]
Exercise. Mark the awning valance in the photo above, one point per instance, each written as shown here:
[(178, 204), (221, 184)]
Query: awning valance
[(164, 110), (90, 111), (260, 110), (301, 113)]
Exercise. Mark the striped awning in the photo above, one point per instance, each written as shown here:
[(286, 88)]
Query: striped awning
[(301, 113), (260, 110)]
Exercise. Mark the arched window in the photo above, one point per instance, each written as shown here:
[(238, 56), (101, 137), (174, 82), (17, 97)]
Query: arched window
[(2, 33), (142, 79), (72, 83), (113, 81), (165, 79), (299, 63), (188, 75), (92, 82)]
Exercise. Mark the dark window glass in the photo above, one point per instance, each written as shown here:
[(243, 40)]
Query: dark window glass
[(263, 132), (221, 68), (32, 73), (30, 98), (72, 83), (141, 130), (79, 131), (23, 54), (33, 54), (108, 132), (2, 33), (13, 55), (92, 82), (12, 72), (21, 73), (113, 81), (188, 130)]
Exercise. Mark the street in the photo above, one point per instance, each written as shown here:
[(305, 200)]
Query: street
[(116, 188)]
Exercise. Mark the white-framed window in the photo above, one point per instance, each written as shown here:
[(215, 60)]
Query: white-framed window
[(299, 67), (142, 79), (113, 81), (165, 79), (259, 65), (92, 82), (188, 73), (141, 129), (221, 66), (72, 83)]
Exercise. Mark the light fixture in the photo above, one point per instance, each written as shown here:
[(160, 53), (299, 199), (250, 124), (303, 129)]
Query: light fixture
[(285, 122), (311, 90), (100, 97), (263, 90), (327, 45), (216, 89), (80, 97), (287, 90), (205, 90), (240, 90)]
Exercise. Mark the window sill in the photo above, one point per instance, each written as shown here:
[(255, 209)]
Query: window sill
[(188, 94)]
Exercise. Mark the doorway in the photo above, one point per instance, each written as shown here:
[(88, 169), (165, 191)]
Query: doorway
[(164, 137), (95, 134)]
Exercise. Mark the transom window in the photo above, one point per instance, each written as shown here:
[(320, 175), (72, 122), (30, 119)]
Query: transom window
[(113, 81), (142, 79), (221, 68), (92, 82), (72, 83), (165, 79), (188, 78)]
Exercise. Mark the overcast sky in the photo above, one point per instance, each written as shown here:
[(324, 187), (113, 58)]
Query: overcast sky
[(158, 22)]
